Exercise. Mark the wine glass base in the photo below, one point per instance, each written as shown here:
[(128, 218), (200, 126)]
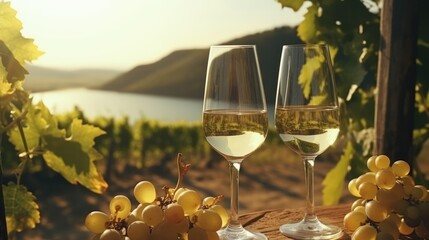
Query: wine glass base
[(243, 234), (311, 230)]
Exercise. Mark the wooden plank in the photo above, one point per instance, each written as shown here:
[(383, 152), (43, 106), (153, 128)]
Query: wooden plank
[(396, 79), (268, 222)]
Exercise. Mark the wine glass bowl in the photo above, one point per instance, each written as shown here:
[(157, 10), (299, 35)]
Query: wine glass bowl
[(235, 120), (307, 120), (307, 130), (235, 134)]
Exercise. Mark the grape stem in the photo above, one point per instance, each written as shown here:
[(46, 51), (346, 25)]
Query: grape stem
[(116, 223), (182, 169), (14, 120), (26, 156)]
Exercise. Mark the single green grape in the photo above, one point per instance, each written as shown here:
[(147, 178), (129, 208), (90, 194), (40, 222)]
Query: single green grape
[(353, 220), (145, 192), (121, 206), (190, 200), (401, 168), (365, 232), (95, 222), (382, 162), (375, 211), (152, 215), (209, 220)]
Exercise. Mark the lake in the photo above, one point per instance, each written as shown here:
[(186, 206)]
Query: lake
[(116, 104)]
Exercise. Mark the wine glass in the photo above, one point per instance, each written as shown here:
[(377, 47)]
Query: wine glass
[(307, 120), (235, 120)]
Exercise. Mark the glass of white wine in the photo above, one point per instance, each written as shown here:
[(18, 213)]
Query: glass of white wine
[(307, 119), (235, 120)]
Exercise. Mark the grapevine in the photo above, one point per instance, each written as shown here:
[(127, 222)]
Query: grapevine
[(34, 133), (390, 204), (179, 213)]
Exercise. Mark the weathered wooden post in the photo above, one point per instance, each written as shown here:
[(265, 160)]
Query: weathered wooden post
[(396, 79)]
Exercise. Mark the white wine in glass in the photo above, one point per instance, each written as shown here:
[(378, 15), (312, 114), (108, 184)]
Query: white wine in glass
[(307, 120), (235, 119)]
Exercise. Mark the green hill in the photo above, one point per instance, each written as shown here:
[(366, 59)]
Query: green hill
[(182, 73), (46, 79)]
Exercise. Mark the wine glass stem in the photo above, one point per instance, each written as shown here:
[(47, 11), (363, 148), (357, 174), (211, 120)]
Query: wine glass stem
[(309, 182), (234, 168)]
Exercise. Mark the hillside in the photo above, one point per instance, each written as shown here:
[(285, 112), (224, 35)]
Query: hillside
[(182, 73), (43, 79)]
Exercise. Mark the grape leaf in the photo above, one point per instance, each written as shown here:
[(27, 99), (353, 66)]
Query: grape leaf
[(15, 71), (5, 88), (333, 183), (306, 75), (350, 72), (294, 4), (307, 29), (73, 157), (15, 50), (77, 167), (366, 138), (6, 91), (38, 123), (23, 49), (22, 211), (84, 134), (318, 100)]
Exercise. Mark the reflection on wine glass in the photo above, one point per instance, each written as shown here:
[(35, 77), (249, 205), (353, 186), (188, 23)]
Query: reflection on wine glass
[(307, 119), (235, 120)]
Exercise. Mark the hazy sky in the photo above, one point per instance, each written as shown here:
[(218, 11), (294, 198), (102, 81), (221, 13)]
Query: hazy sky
[(122, 34)]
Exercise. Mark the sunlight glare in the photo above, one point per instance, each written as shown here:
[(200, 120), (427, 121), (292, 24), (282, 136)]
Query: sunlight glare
[(122, 34)]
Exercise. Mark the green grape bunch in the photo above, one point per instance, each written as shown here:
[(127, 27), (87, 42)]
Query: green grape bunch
[(180, 214), (390, 205)]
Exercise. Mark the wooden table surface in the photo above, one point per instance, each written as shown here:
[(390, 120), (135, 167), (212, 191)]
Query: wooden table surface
[(268, 222)]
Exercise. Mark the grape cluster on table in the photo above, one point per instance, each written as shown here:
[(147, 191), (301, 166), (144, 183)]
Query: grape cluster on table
[(390, 205), (180, 214)]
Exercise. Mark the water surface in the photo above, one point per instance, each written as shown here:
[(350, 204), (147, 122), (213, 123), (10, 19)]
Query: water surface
[(114, 104)]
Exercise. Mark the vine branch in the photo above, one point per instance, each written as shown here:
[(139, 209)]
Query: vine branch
[(14, 121), (26, 157), (3, 226)]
